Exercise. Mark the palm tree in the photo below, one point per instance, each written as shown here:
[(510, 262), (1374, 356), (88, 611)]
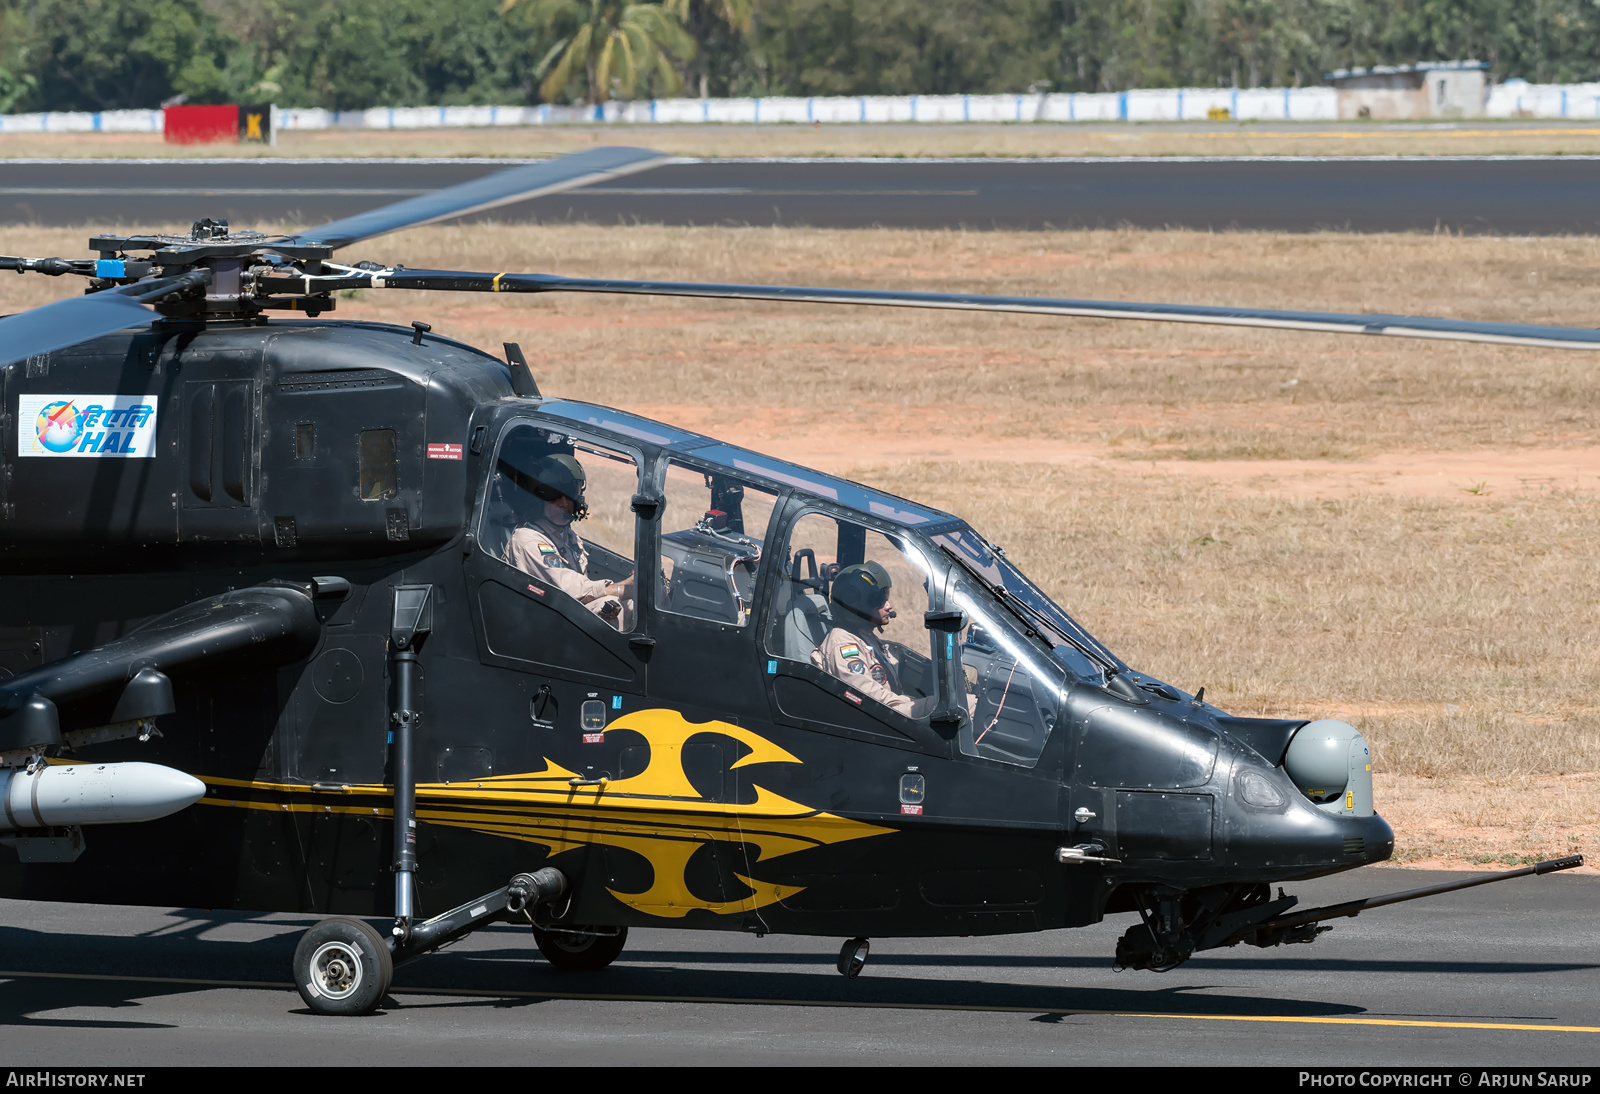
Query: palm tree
[(699, 17), (614, 43)]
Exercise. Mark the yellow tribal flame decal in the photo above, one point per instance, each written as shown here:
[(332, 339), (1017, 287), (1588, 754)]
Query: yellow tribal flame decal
[(657, 813)]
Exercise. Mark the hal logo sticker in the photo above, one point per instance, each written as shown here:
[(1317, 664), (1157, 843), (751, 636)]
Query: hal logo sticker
[(91, 426)]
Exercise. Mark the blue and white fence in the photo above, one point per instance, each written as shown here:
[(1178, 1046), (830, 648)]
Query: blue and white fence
[(1516, 99), (105, 121), (1513, 99), (1178, 104)]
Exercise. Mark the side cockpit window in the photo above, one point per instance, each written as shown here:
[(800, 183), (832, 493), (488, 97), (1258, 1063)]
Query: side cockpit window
[(851, 603), (1014, 688), (560, 510), (713, 526)]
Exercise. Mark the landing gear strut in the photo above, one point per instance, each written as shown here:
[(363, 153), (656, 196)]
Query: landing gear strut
[(343, 966)]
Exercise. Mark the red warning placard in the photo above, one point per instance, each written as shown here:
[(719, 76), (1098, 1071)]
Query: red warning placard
[(444, 452)]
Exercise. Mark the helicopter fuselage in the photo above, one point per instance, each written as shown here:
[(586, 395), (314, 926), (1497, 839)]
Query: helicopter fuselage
[(677, 768)]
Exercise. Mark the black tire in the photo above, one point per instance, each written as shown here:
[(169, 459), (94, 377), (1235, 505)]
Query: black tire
[(342, 966), (580, 952)]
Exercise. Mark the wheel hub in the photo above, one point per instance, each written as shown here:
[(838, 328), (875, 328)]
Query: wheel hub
[(337, 969)]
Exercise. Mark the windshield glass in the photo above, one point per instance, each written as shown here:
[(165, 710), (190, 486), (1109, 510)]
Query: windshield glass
[(1074, 647)]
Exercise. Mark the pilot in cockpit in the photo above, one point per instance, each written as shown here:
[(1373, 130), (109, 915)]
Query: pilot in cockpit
[(852, 650), (549, 501)]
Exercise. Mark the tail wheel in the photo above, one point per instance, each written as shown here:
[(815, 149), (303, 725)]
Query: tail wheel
[(572, 951), (342, 966)]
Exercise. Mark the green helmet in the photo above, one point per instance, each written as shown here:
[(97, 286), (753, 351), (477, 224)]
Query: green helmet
[(861, 589)]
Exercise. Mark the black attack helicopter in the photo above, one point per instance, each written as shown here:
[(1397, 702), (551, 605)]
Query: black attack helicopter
[(744, 696)]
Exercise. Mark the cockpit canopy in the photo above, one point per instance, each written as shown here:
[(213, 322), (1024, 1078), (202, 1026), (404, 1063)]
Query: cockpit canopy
[(898, 608)]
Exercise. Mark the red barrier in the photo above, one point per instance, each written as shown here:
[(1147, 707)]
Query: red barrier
[(201, 124)]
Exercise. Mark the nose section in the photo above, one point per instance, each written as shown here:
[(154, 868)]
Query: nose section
[(1331, 763), (1273, 823)]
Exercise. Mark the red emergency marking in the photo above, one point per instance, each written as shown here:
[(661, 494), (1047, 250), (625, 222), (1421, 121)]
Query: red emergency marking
[(535, 591), (853, 697), (911, 810), (594, 738), (444, 452)]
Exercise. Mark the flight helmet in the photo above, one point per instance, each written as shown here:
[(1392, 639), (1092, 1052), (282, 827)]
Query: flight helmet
[(861, 589), (549, 478)]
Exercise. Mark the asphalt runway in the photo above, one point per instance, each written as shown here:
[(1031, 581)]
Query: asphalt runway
[(1508, 196), (1507, 974)]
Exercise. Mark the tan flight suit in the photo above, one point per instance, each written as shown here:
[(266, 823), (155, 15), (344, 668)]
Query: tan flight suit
[(866, 665), (556, 555)]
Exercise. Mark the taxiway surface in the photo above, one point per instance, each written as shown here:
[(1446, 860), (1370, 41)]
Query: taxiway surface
[(1501, 975), (1505, 196)]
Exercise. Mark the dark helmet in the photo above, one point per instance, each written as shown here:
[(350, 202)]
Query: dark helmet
[(561, 476), (551, 477), (861, 589)]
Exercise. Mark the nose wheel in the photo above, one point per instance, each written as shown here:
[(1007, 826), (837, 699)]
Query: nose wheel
[(342, 967)]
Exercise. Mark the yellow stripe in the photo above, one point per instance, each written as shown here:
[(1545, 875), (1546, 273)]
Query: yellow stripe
[(1413, 1022), (297, 807), (497, 278), (1294, 134)]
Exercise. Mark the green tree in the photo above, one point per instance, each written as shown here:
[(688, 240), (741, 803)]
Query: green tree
[(719, 29), (17, 83), (899, 47), (611, 45), (118, 54)]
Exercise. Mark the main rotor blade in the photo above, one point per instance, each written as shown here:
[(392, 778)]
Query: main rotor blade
[(81, 318), (1400, 326), (501, 188)]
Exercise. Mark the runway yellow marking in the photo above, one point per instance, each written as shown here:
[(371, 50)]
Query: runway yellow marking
[(1369, 1022), (741, 191), (1296, 134), (598, 997)]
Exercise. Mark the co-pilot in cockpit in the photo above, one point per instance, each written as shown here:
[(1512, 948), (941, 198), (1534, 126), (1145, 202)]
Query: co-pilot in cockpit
[(852, 651)]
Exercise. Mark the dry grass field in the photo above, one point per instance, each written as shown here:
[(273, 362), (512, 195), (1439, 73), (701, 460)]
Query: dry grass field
[(1404, 535), (1467, 138)]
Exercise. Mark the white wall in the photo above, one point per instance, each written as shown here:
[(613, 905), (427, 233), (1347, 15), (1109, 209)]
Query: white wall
[(107, 121), (1515, 99)]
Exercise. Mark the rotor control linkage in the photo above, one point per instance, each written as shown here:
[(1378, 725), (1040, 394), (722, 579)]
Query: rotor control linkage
[(50, 267), (520, 896)]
